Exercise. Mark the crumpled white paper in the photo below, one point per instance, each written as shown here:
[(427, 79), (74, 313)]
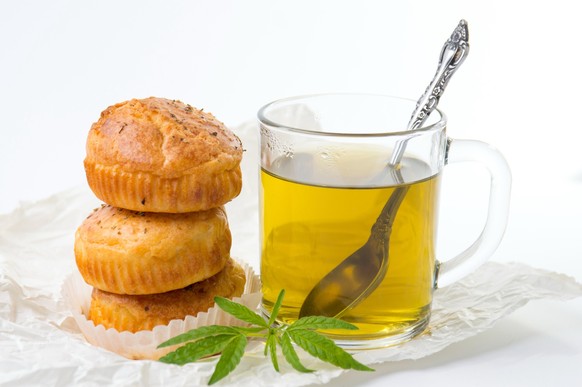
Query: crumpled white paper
[(40, 342), (143, 344)]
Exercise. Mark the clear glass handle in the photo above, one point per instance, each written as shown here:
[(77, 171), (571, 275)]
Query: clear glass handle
[(459, 151)]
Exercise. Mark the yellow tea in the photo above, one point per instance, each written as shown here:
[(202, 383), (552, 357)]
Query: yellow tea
[(309, 229)]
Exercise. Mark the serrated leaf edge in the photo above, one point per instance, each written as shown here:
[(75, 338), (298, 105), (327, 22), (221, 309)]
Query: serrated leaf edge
[(276, 307), (291, 355), (194, 351), (198, 333), (325, 349), (271, 344), (229, 359), (240, 311), (321, 322)]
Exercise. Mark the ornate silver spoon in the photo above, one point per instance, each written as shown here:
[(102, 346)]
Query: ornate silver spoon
[(353, 280)]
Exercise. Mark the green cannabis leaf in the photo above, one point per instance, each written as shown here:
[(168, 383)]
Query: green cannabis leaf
[(231, 342)]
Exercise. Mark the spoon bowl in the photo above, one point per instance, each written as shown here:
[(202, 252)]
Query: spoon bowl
[(359, 274)]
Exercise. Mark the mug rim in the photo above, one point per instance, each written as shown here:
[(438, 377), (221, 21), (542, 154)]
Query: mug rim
[(438, 125)]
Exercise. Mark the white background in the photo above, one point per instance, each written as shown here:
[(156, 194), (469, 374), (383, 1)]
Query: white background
[(63, 62)]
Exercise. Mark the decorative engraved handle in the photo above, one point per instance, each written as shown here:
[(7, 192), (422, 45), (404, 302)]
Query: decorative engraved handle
[(383, 225), (453, 53)]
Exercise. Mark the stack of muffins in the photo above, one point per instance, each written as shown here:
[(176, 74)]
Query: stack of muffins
[(159, 249)]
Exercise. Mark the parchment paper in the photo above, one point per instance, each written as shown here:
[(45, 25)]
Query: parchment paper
[(41, 343)]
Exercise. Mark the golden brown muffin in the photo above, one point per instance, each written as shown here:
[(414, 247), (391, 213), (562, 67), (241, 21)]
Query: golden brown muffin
[(160, 155), (144, 312), (129, 252)]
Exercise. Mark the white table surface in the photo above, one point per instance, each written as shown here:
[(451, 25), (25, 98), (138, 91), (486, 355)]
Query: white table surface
[(63, 62)]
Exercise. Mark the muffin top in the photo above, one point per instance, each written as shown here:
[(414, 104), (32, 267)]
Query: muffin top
[(162, 137)]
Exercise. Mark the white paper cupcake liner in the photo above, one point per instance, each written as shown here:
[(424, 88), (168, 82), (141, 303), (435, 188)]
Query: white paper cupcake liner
[(143, 344)]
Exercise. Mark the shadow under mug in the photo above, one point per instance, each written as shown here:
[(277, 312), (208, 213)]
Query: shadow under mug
[(347, 232)]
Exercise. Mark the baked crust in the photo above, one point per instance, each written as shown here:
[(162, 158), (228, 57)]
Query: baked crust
[(143, 312), (160, 155), (128, 252)]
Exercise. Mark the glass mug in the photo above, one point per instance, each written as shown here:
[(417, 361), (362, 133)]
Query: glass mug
[(348, 232)]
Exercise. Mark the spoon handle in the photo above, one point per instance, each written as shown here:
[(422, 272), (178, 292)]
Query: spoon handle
[(453, 53), (383, 225)]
